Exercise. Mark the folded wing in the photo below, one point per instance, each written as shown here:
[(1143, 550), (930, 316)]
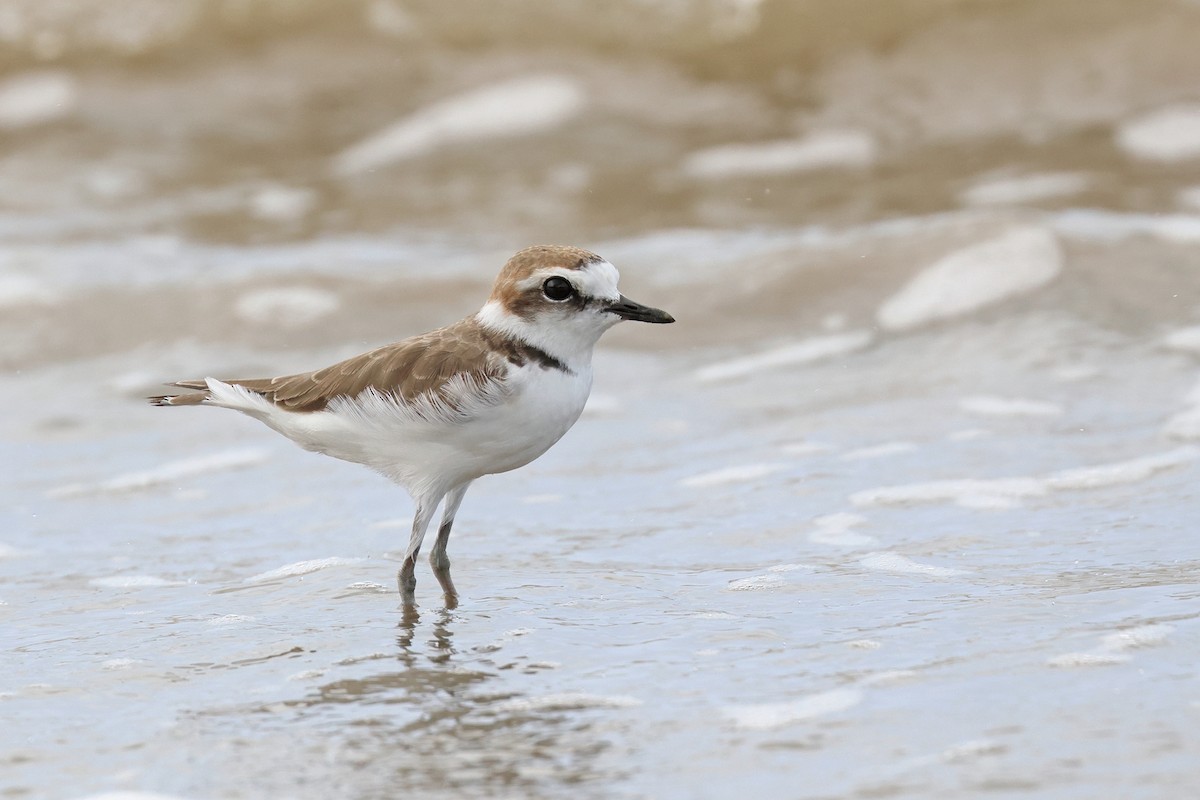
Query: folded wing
[(434, 367)]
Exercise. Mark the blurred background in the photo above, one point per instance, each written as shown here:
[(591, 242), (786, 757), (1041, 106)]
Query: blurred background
[(171, 155), (920, 445)]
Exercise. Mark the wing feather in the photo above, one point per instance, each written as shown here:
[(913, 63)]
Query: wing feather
[(424, 366)]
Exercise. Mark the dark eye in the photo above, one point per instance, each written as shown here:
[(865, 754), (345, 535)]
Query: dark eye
[(557, 289)]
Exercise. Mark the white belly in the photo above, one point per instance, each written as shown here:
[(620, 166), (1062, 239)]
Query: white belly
[(424, 455)]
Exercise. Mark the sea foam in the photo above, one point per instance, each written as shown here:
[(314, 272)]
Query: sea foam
[(805, 351), (766, 716), (169, 473), (517, 107), (1005, 492), (983, 274)]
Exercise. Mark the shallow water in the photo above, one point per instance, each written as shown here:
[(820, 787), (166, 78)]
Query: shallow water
[(903, 505)]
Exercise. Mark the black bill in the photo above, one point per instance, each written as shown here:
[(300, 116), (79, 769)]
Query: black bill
[(627, 309)]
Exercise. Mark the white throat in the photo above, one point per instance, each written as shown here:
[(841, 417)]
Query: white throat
[(570, 344)]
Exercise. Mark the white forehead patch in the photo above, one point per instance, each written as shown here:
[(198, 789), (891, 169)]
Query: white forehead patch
[(598, 279)]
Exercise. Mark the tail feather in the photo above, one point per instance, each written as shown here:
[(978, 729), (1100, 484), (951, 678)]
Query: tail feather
[(217, 393), (190, 399)]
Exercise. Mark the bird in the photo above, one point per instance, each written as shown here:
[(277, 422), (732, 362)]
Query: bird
[(435, 412)]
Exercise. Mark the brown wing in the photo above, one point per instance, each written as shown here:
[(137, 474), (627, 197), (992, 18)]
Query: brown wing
[(406, 370)]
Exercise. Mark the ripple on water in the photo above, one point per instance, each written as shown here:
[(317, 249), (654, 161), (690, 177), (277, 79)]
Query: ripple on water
[(132, 582), (983, 274), (517, 107), (302, 568), (894, 562), (766, 716), (805, 351), (755, 583), (170, 472), (1009, 407), (566, 701), (1004, 492), (740, 473)]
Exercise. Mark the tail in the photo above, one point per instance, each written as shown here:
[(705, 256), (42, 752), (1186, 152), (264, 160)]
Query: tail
[(212, 392), (189, 399)]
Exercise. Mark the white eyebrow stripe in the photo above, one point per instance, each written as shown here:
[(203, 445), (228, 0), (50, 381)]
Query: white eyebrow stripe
[(598, 279)]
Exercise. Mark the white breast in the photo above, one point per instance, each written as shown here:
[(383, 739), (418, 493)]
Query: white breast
[(545, 403)]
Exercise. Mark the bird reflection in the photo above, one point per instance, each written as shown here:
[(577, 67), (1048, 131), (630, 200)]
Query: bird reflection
[(440, 647)]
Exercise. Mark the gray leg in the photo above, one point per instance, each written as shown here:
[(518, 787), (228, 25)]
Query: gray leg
[(407, 576), (437, 557)]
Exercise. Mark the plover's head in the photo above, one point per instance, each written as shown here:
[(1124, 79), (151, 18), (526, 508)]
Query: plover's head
[(561, 299)]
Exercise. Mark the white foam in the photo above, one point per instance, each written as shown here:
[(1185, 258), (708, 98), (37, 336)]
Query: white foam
[(791, 568), (822, 150), (1025, 188), (517, 107), (1114, 647), (302, 568), (964, 491), (894, 562), (34, 98), (736, 474), (806, 351), (1137, 638), (766, 716), (1015, 263), (888, 677), (807, 448), (971, 750), (1131, 471), (1004, 492), (1112, 226), (131, 582), (390, 19), (566, 701), (170, 472), (282, 203), (124, 795), (17, 290), (1009, 407), (368, 586), (1087, 660), (287, 306), (878, 451), (755, 583), (1168, 134), (230, 619), (865, 644), (1186, 340), (836, 529), (119, 663)]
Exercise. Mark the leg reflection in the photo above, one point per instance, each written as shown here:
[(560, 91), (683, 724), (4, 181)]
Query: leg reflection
[(439, 649)]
